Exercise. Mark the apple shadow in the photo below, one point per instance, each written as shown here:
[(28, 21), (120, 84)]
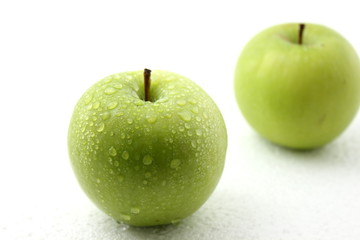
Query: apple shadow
[(212, 221)]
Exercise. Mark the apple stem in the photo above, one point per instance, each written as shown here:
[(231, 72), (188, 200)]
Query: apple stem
[(301, 32), (147, 82)]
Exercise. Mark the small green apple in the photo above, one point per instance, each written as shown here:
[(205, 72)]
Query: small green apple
[(298, 85), (147, 156)]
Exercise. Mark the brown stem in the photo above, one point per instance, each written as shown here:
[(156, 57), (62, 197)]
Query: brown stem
[(301, 32), (147, 82)]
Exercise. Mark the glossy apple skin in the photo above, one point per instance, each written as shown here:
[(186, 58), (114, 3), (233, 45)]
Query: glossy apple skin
[(152, 162), (298, 96)]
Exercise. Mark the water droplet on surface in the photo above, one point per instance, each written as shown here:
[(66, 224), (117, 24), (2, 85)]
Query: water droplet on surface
[(110, 90), (116, 163), (125, 155), (98, 180), (101, 127), (147, 160), (185, 115), (175, 163), (198, 132), (181, 102), (187, 125), (135, 210), (112, 151), (148, 174), (193, 144), (112, 105)]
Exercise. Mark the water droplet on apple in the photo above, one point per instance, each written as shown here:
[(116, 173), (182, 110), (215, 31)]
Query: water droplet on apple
[(192, 101), (122, 135), (89, 106), (151, 118), (139, 103), (148, 174), (121, 178), (125, 217), (125, 155), (88, 99), (175, 163), (130, 121), (118, 86), (198, 119), (185, 115), (189, 133), (195, 110), (187, 125), (193, 144), (198, 132), (101, 127), (120, 113), (135, 210), (112, 151), (181, 128), (147, 160), (110, 90), (96, 105), (181, 102), (105, 115), (116, 163), (112, 105), (145, 182), (175, 221), (98, 180)]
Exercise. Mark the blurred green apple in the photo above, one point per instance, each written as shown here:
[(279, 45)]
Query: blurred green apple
[(147, 160), (298, 85)]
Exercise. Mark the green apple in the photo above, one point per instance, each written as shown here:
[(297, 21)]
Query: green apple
[(298, 85), (147, 155)]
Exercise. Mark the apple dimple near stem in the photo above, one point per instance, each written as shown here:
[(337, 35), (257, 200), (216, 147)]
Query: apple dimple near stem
[(147, 82), (301, 33)]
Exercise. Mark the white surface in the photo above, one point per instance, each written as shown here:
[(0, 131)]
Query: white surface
[(51, 51)]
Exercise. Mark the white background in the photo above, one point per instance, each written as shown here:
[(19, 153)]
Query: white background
[(52, 51)]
